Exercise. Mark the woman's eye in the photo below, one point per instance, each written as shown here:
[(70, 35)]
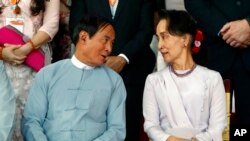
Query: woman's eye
[(165, 36)]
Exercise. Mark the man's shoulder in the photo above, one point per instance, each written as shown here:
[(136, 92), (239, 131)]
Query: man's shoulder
[(109, 71), (111, 74), (55, 67)]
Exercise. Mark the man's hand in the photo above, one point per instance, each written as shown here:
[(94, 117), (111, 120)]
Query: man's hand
[(236, 33), (116, 63)]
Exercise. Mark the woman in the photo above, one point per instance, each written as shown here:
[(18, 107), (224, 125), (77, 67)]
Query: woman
[(38, 20), (184, 101)]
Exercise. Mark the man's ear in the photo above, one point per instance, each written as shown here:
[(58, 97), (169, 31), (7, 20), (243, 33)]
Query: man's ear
[(83, 35)]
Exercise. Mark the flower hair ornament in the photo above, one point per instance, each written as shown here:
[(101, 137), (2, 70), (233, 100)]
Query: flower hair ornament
[(197, 41)]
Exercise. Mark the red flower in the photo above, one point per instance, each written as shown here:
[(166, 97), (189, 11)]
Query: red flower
[(197, 41)]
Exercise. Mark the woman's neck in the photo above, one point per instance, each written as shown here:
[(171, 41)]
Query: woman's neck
[(183, 64)]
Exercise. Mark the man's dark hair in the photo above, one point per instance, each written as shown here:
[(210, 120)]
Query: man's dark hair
[(90, 24)]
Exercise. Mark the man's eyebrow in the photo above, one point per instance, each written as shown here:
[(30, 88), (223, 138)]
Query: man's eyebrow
[(106, 36)]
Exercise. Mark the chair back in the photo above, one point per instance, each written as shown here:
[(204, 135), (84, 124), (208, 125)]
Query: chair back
[(226, 133)]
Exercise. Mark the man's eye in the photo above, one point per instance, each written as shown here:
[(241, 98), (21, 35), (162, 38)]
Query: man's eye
[(105, 40)]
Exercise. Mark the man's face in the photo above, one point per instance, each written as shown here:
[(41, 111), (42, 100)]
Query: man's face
[(97, 48)]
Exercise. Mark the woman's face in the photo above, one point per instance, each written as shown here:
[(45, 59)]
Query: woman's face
[(170, 46)]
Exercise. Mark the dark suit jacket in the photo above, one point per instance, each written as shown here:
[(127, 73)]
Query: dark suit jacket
[(133, 24), (211, 15), (159, 4)]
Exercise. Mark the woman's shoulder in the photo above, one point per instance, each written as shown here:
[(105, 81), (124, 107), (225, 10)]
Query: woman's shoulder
[(208, 72), (158, 74)]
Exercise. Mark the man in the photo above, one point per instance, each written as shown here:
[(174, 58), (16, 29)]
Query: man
[(7, 106), (131, 57), (78, 98), (227, 34)]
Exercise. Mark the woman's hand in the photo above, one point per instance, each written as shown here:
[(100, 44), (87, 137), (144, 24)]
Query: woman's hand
[(24, 50), (173, 138), (12, 55)]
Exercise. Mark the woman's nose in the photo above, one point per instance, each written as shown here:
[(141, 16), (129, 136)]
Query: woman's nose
[(159, 45)]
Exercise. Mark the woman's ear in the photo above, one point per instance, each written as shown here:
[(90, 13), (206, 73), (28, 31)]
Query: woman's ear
[(186, 40)]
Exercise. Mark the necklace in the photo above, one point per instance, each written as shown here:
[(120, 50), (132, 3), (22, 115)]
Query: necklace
[(183, 74)]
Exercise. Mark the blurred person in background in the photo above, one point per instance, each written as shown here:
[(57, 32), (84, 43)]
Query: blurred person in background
[(38, 21), (226, 25)]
